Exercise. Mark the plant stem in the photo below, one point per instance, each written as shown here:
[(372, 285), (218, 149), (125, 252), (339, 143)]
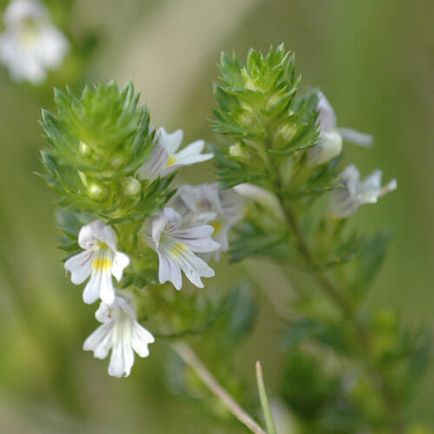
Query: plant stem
[(189, 357), (269, 421), (333, 293)]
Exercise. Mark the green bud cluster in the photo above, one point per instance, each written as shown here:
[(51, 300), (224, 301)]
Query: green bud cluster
[(99, 142), (259, 111)]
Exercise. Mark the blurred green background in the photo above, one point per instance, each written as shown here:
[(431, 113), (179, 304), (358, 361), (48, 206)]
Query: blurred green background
[(374, 59)]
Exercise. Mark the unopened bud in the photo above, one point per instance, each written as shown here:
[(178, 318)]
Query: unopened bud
[(96, 191), (284, 134), (84, 148), (131, 186), (237, 151), (117, 162), (329, 147)]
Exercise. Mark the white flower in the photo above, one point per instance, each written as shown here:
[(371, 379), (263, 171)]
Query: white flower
[(165, 158), (354, 192), (121, 333), (208, 204), (332, 137), (176, 248), (30, 44), (99, 260)]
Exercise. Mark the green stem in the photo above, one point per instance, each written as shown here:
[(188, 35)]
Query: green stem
[(347, 310), (269, 421)]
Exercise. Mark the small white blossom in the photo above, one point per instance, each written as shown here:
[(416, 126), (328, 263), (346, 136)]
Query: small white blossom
[(354, 192), (176, 248), (30, 45), (100, 260), (332, 137), (165, 157), (208, 204), (121, 333)]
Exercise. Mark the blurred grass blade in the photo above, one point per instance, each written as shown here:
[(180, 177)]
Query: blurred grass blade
[(269, 421)]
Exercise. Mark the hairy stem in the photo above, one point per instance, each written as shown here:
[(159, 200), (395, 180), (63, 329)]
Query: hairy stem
[(189, 357)]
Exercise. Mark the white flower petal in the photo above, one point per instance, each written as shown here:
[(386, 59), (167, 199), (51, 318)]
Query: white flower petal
[(30, 45), (141, 339), (329, 147), (222, 237), (80, 266), (121, 360), (354, 193), (52, 48), (326, 114), (169, 271), (370, 189), (197, 238), (120, 262), (356, 137), (191, 154), (342, 204), (391, 186), (19, 10), (154, 167), (99, 341), (351, 178), (100, 285), (170, 141), (120, 333), (194, 268)]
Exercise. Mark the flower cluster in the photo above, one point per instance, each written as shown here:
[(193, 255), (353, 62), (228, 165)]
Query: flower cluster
[(113, 173), (31, 45)]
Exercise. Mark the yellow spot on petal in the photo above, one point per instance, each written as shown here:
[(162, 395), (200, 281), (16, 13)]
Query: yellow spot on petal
[(178, 249), (217, 225), (29, 32), (171, 161), (102, 264)]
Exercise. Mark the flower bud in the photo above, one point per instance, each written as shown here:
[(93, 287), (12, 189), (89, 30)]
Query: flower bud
[(329, 147), (131, 186), (284, 134), (237, 151), (84, 148), (97, 192)]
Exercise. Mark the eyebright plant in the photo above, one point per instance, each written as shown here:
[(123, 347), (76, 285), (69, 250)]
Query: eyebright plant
[(348, 369), (124, 227), (132, 237)]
